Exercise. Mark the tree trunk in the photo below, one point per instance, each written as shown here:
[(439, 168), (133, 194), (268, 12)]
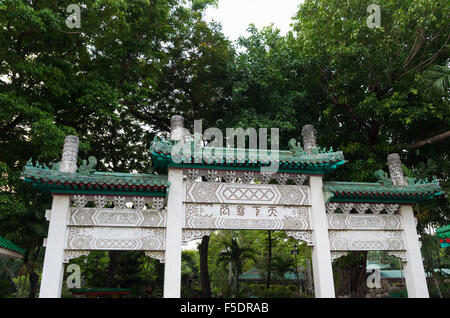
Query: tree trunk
[(112, 267), (236, 276), (269, 259), (352, 272), (34, 279), (204, 275)]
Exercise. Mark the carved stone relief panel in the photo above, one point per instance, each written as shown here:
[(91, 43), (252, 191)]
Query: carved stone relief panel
[(363, 222), (305, 236), (336, 255), (71, 254), (119, 202), (190, 235), (114, 238), (214, 192), (243, 176), (117, 217), (235, 216), (159, 255), (362, 208), (366, 240)]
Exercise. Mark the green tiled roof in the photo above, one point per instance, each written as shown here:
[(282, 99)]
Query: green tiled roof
[(7, 245), (95, 290), (377, 192), (443, 232), (321, 161), (46, 179), (255, 274)]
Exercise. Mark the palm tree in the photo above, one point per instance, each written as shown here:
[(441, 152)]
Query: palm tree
[(437, 79), (282, 265), (236, 255)]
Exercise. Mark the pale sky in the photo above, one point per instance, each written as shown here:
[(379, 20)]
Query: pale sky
[(236, 15)]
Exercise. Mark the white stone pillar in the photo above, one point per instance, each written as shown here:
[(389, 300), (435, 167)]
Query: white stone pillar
[(321, 255), (416, 283), (172, 269), (53, 269)]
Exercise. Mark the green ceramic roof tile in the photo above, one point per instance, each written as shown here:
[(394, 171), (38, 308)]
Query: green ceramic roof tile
[(320, 161), (443, 232), (377, 192), (254, 274), (4, 243), (101, 290), (54, 181)]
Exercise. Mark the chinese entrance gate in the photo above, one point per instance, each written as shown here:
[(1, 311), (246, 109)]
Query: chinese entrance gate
[(156, 213)]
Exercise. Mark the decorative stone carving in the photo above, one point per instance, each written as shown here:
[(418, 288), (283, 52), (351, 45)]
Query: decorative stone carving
[(119, 202), (192, 175), (104, 238), (282, 178), (69, 158), (258, 217), (138, 203), (212, 176), (376, 208), (363, 222), (248, 177), (300, 179), (177, 128), (80, 201), (335, 255), (366, 240), (309, 138), (230, 176), (399, 254), (159, 255), (346, 207), (265, 177), (395, 169), (361, 208), (100, 201), (207, 192), (117, 217), (190, 235), (71, 254), (331, 207), (158, 203), (391, 208), (304, 236)]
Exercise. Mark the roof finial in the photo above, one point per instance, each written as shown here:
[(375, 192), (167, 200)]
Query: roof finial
[(395, 169), (309, 138), (177, 128), (70, 155)]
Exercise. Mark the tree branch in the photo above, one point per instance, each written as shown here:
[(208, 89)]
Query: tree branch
[(425, 142)]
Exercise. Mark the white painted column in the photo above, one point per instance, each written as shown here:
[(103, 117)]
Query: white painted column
[(172, 269), (416, 283), (321, 255), (53, 270), (415, 278)]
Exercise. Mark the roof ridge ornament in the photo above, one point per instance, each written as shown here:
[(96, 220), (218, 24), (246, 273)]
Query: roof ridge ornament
[(295, 147), (86, 168)]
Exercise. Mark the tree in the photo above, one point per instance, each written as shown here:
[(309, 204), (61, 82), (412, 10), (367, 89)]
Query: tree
[(90, 82), (236, 255), (366, 83)]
